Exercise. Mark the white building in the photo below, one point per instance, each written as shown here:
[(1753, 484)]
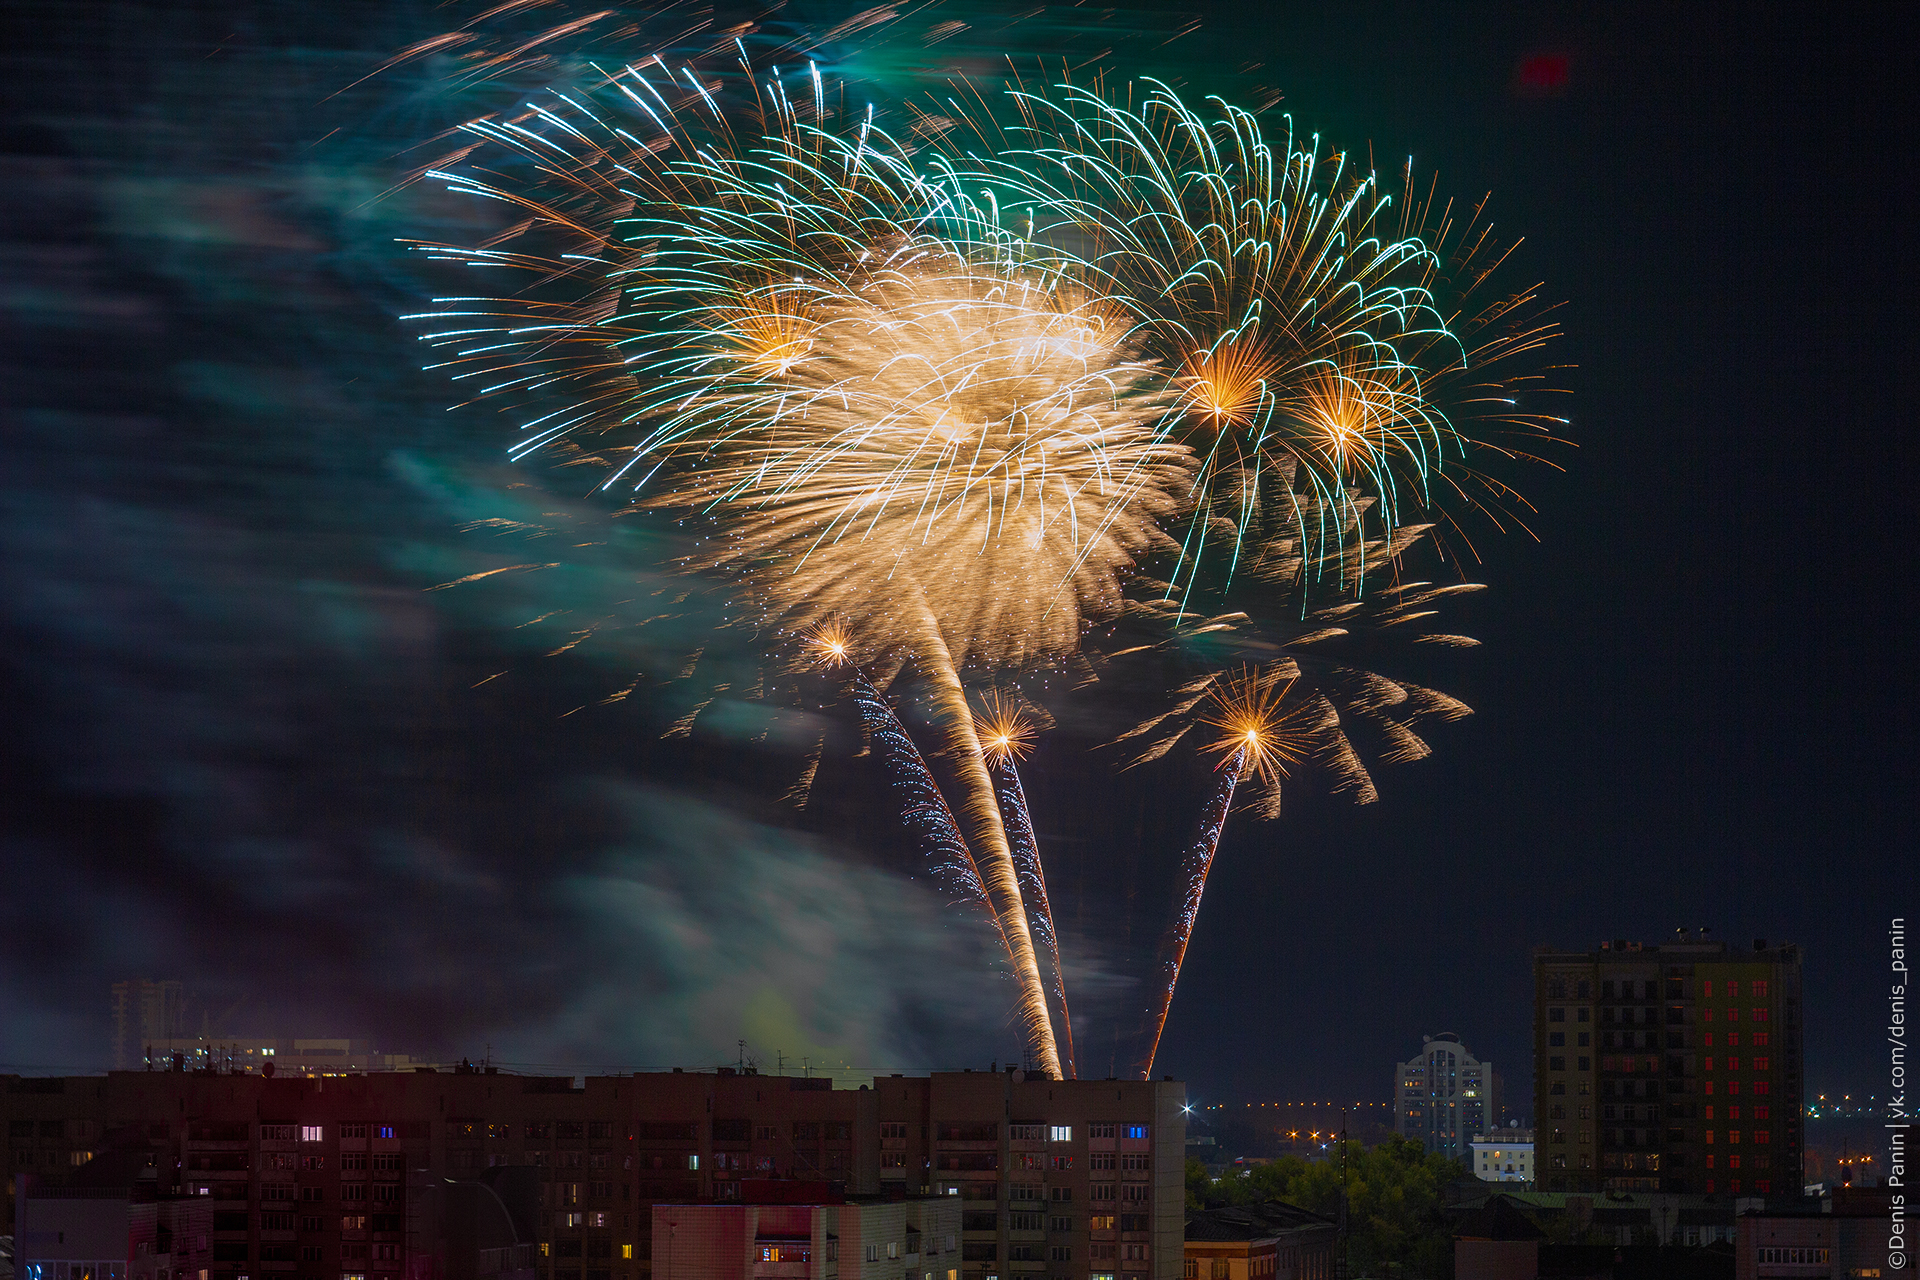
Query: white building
[(1443, 1096), (1503, 1155)]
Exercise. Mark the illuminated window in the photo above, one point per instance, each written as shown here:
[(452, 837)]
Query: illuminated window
[(1759, 987), (310, 1133), (793, 1251), (1763, 1064), (1137, 1131), (1061, 1133)]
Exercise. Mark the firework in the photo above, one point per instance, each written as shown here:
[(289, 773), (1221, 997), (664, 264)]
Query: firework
[(921, 805), (1260, 735), (877, 405), (1319, 344), (1007, 736)]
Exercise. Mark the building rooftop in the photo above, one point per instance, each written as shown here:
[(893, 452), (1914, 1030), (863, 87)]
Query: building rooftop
[(1252, 1222)]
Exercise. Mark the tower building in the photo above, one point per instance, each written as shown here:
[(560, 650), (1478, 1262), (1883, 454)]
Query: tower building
[(1671, 1067), (1443, 1096)]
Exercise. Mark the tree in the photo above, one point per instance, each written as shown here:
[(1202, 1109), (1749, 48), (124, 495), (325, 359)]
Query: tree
[(1394, 1195)]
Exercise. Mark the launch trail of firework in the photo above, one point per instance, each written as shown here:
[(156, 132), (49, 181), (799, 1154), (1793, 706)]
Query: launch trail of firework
[(1193, 874), (921, 805), (1006, 735), (1259, 736)]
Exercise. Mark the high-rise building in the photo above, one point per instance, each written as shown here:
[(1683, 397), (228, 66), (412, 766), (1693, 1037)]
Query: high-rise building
[(322, 1177), (1671, 1067), (1443, 1096), (143, 1012)]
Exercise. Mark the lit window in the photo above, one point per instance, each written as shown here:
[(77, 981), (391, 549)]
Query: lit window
[(1061, 1133), (310, 1133), (1136, 1131)]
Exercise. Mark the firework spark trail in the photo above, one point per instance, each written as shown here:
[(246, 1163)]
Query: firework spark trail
[(921, 804), (983, 812), (1033, 888), (1193, 873)]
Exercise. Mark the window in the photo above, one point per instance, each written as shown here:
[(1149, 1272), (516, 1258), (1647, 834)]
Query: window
[(353, 1222), (1100, 1222), (1060, 1133), (1556, 1015), (1557, 1039), (1099, 1131), (794, 1251), (1061, 1253), (1099, 1192), (1026, 1132), (384, 1131), (1556, 1064), (895, 1131), (1137, 1131), (1060, 1224), (311, 1133), (601, 1129), (1100, 1160), (1760, 1112), (1063, 1162), (1759, 988), (276, 1132)]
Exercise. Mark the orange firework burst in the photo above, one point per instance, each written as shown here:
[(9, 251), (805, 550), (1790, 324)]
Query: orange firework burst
[(1230, 384), (1257, 726), (829, 643), (1005, 731)]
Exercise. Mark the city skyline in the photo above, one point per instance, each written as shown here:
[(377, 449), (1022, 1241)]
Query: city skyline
[(259, 756)]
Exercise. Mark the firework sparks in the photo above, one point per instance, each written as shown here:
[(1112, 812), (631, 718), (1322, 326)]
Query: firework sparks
[(921, 804), (1259, 736), (1008, 736), (1307, 324)]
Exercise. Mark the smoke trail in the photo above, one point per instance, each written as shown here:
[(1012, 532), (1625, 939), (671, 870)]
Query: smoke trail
[(1033, 888), (1198, 862), (921, 805)]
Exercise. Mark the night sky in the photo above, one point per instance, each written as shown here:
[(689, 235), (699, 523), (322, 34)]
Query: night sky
[(250, 749)]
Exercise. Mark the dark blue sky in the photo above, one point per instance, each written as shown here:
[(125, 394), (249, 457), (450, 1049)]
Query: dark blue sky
[(248, 750)]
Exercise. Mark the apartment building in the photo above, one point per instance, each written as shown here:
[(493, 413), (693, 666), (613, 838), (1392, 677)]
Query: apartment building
[(1672, 1067), (1443, 1096), (1503, 1155), (322, 1178), (806, 1231)]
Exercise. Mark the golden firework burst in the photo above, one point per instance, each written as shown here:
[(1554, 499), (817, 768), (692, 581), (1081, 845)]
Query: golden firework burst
[(1256, 724), (1005, 731)]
